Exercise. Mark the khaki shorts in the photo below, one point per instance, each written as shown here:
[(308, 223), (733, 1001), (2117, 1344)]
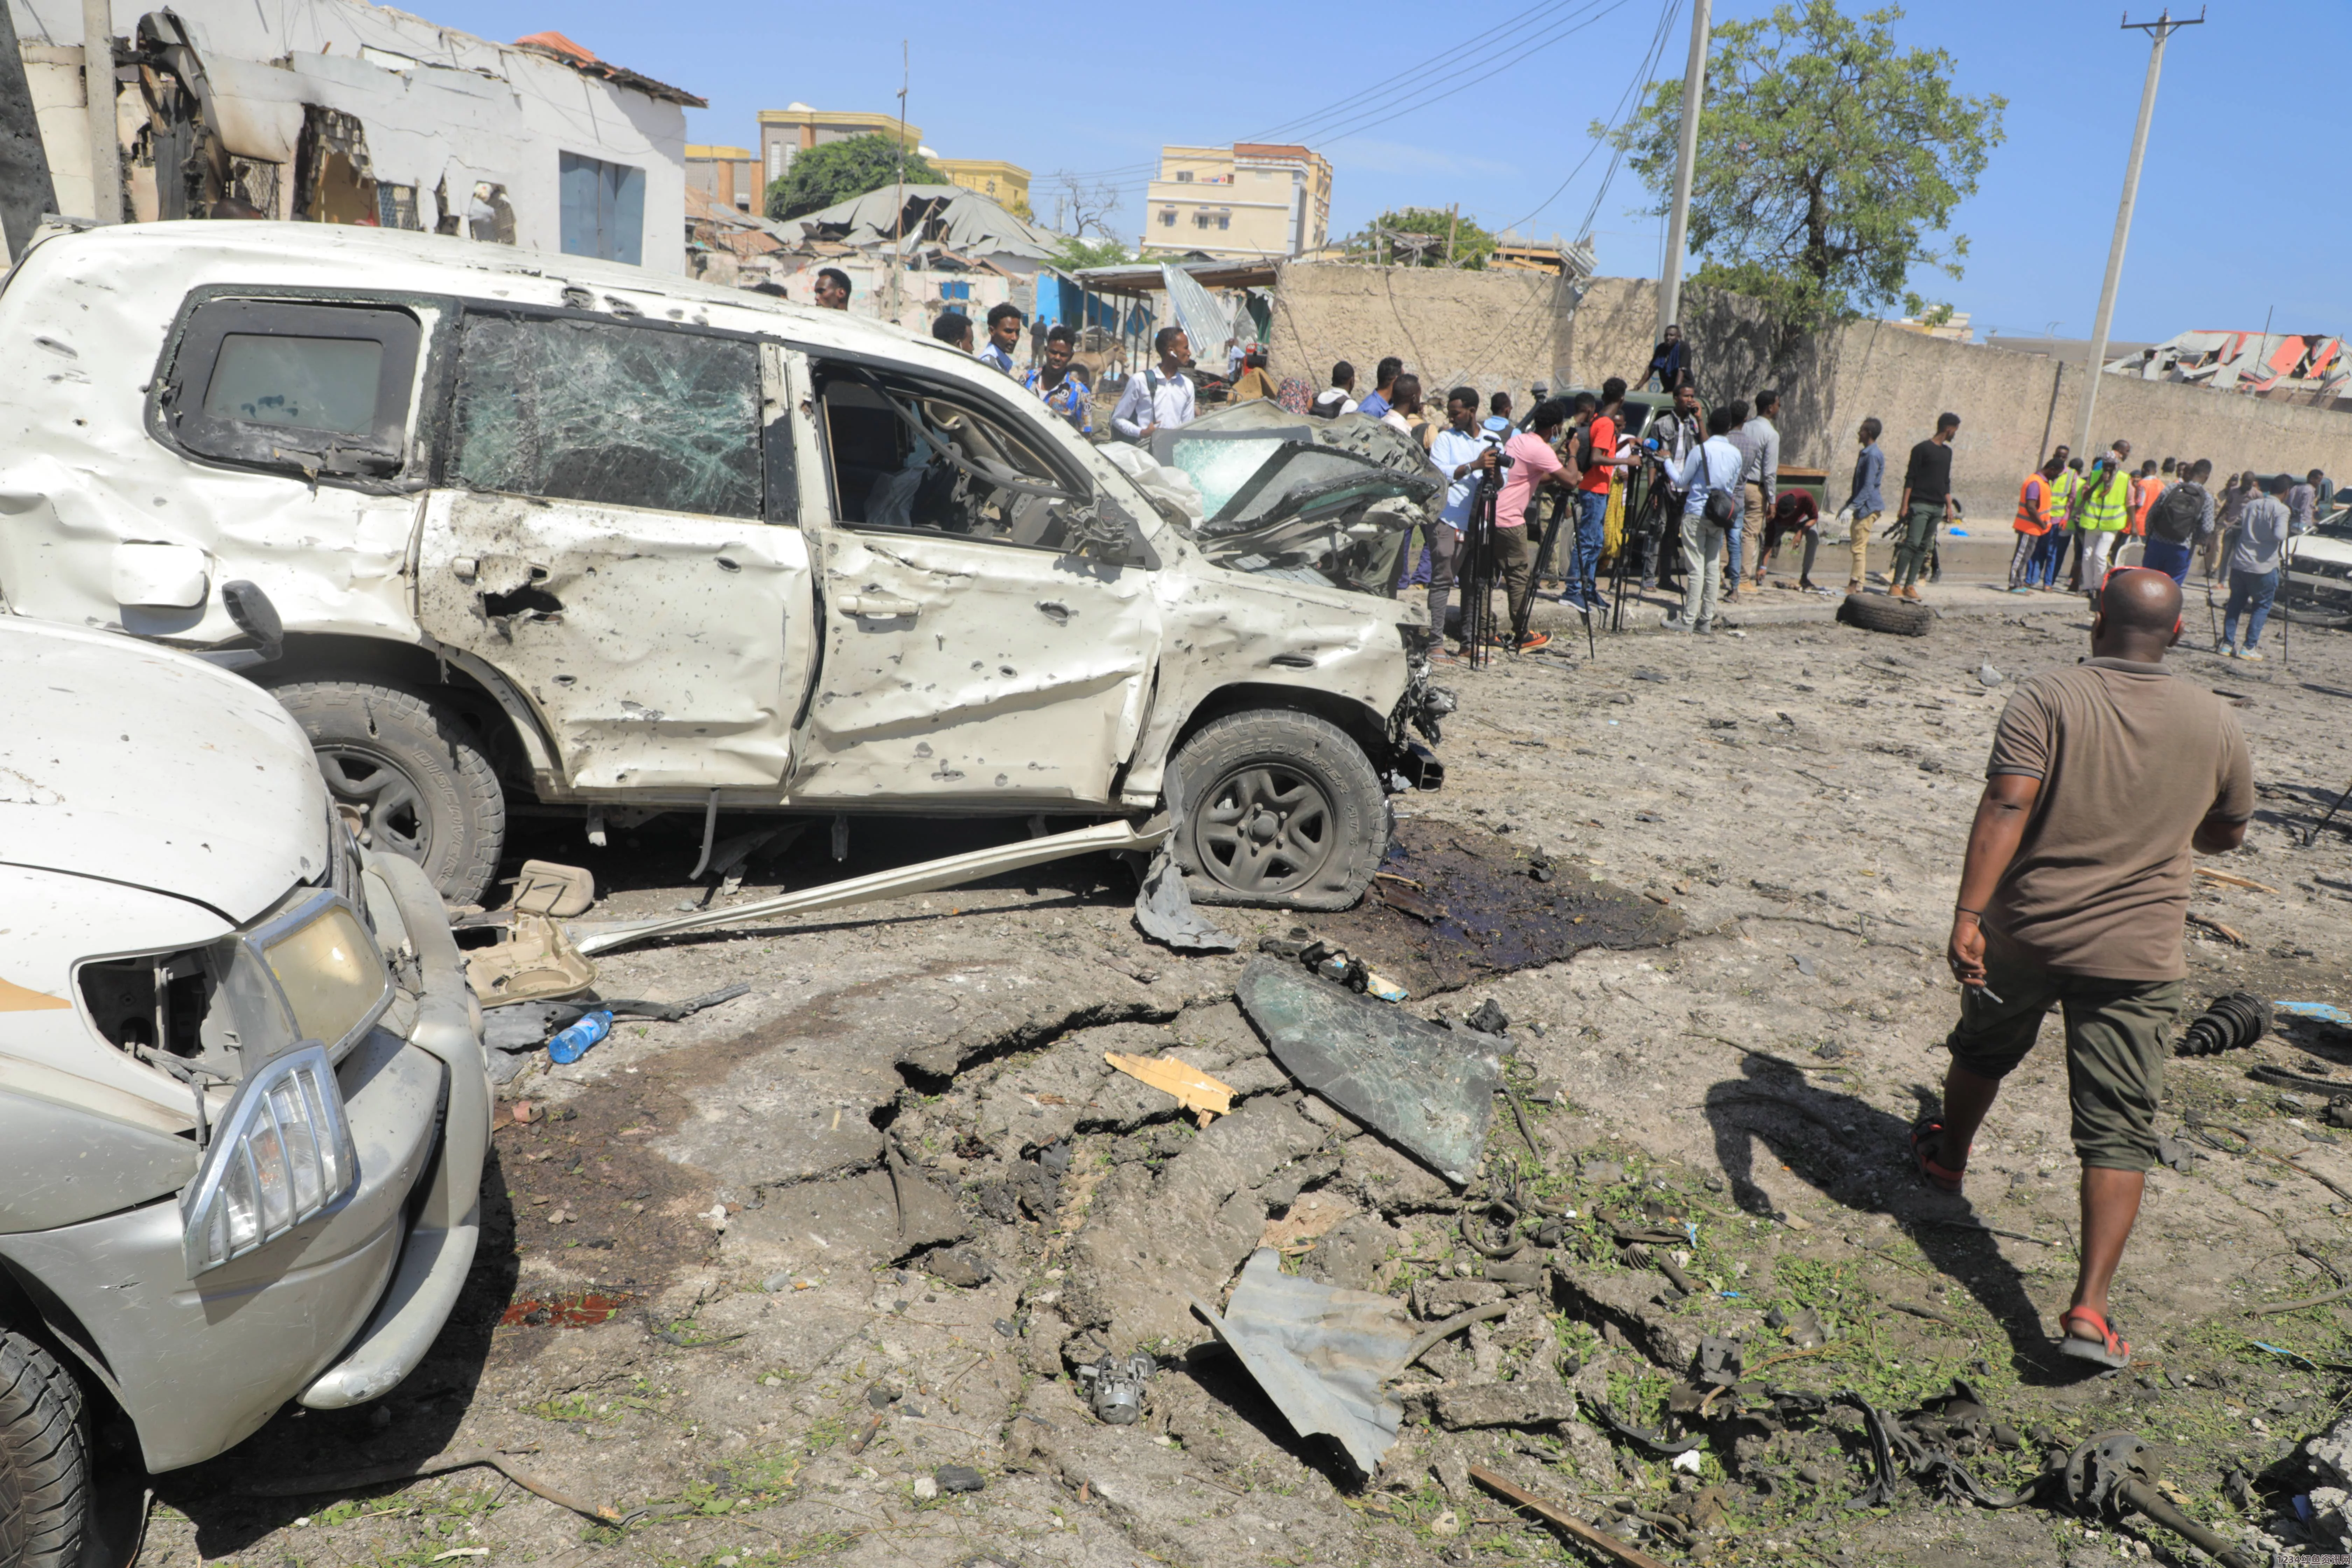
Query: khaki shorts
[(2118, 1034)]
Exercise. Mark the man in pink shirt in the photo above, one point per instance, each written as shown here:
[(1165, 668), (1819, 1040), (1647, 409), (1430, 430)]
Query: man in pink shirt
[(1532, 462)]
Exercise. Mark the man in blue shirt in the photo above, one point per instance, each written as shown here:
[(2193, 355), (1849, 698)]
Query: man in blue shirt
[(1384, 383), (1058, 383), (1462, 453), (1713, 469), (1863, 505)]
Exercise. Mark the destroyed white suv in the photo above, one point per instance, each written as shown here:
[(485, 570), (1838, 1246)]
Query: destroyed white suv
[(244, 1106), (551, 530)]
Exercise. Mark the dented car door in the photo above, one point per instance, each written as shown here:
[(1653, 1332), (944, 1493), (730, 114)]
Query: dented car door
[(616, 533), (990, 629)]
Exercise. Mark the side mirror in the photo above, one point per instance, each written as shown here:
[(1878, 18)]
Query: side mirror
[(256, 617)]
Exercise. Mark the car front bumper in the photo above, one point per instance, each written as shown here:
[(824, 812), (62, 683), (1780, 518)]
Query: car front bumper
[(345, 1306)]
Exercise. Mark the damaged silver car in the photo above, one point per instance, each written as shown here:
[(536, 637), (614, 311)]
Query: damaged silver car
[(244, 1105), (553, 532)]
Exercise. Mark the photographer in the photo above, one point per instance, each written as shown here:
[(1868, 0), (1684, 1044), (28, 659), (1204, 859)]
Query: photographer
[(1464, 454), (1529, 460), (1677, 434)]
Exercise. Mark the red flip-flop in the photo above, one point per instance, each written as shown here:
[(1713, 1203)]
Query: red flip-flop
[(1927, 1134), (2109, 1350)]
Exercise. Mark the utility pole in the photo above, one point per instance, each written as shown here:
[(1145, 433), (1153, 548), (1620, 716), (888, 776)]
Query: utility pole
[(898, 221), (1670, 280), (2163, 28), (97, 94)]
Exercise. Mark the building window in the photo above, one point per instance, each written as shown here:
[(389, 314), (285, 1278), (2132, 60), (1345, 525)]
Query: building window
[(1185, 176), (1223, 222), (603, 209), (1199, 220), (1168, 218)]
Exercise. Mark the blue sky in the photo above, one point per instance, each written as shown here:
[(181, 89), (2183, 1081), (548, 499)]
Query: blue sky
[(2239, 210)]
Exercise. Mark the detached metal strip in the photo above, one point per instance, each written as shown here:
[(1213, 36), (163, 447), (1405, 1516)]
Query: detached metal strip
[(925, 876)]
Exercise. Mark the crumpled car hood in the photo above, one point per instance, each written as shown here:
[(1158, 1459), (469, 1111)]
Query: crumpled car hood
[(130, 762), (1284, 495)]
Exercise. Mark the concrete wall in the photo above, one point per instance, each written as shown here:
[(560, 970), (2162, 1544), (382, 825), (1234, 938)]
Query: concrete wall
[(1502, 331), (2012, 406), (1495, 331)]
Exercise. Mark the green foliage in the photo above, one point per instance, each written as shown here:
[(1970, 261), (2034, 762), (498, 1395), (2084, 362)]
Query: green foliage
[(1829, 160), (839, 171), (1075, 251), (1472, 243)]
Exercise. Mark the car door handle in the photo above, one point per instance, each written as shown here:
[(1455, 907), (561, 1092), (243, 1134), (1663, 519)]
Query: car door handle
[(881, 607)]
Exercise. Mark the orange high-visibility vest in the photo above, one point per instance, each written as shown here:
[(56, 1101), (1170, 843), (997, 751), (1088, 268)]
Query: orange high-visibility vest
[(2029, 502)]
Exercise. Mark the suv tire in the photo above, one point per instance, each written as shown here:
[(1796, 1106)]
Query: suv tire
[(1877, 613), (44, 1461), (1281, 810), (423, 784)]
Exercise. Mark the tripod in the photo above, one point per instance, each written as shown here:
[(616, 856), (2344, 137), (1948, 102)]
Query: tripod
[(1560, 503), (1650, 527), (1474, 573)]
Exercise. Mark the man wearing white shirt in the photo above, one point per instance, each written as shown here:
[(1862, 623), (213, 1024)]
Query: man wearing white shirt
[(1157, 396), (1462, 453), (1004, 336), (1713, 469), (1339, 397)]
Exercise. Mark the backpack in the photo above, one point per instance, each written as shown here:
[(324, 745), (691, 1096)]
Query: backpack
[(2176, 514)]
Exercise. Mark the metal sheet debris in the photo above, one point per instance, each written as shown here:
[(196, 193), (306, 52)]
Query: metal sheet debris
[(1164, 908), (1321, 1353), (1430, 1090)]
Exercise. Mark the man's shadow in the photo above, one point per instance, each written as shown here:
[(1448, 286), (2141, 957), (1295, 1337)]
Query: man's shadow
[(1861, 1157)]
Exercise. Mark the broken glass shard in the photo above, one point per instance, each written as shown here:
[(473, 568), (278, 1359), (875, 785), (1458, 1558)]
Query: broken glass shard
[(1426, 1088), (1321, 1354)]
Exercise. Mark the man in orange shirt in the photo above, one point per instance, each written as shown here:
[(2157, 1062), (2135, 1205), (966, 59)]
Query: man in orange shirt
[(2034, 519)]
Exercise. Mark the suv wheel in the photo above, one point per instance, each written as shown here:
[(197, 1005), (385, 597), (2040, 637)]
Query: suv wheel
[(1282, 809), (44, 1463), (420, 783)]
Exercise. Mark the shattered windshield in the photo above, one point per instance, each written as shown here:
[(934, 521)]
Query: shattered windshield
[(1220, 465), (611, 413), (1299, 510)]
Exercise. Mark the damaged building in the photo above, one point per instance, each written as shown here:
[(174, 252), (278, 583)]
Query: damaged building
[(2302, 367), (336, 111)]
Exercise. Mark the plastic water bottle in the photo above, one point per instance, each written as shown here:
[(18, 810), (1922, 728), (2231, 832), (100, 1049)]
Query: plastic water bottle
[(572, 1044)]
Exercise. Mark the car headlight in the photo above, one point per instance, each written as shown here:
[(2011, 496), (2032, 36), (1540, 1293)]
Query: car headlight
[(312, 971), (280, 1154)]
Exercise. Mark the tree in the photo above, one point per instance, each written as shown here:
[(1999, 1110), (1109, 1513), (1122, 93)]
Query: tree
[(1828, 163), (1082, 207), (839, 171), (1470, 245), (1074, 253)]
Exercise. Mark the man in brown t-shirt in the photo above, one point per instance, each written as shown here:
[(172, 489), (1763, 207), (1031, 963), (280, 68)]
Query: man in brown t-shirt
[(2103, 779)]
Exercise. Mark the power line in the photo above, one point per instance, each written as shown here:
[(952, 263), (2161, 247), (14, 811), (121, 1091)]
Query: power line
[(1640, 76), (1338, 121)]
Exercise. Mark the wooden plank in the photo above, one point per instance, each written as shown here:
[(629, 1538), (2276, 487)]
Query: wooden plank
[(1198, 1092), (1607, 1546)]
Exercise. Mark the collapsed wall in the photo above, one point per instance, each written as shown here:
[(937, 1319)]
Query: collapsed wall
[(1502, 331)]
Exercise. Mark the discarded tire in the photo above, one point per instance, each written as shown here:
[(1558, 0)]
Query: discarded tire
[(1878, 613), (1282, 810), (420, 781), (44, 1461)]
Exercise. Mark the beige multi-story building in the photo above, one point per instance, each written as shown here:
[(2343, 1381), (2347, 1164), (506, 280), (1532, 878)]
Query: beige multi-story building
[(1006, 185), (785, 133), (1251, 199), (727, 175)]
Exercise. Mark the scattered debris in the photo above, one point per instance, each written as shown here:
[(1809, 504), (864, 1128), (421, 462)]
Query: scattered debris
[(533, 958), (2217, 928), (1583, 1534), (440, 1463), (2112, 1475), (585, 1309), (2236, 1019), (965, 1270), (1988, 675), (1488, 1019), (953, 1479), (1198, 1093), (2228, 881), (2324, 1011), (569, 1044), (1322, 1354), (1164, 909), (545, 888), (1115, 1388), (1417, 1084)]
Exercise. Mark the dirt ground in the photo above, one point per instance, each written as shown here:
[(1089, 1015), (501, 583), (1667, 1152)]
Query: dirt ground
[(733, 1285)]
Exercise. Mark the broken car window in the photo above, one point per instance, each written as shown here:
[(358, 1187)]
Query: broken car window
[(904, 457), (607, 411), (318, 388), (317, 383)]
